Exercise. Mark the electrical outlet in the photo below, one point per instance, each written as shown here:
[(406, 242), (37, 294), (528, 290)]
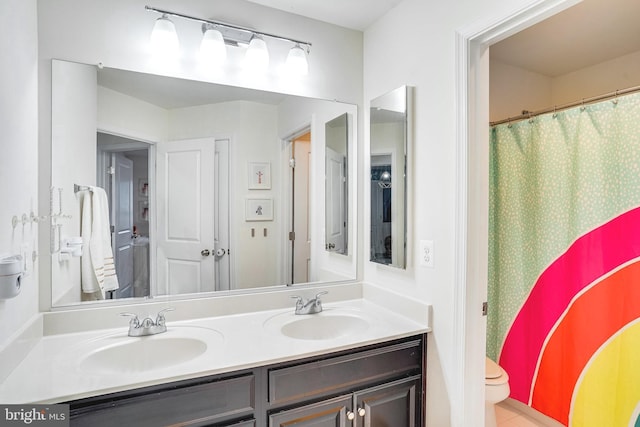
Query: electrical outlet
[(426, 253)]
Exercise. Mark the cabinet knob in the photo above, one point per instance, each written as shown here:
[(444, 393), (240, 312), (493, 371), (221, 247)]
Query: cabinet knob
[(361, 412), (351, 416)]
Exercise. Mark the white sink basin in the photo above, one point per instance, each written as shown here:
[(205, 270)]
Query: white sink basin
[(121, 354), (328, 324)]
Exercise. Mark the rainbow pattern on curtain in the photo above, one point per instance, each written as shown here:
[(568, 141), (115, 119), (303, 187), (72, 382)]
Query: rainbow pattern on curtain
[(551, 317), (564, 262)]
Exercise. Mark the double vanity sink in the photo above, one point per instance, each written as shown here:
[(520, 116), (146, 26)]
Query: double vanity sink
[(117, 353), (75, 365)]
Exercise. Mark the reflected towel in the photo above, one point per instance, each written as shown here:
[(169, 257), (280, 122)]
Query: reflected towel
[(98, 268)]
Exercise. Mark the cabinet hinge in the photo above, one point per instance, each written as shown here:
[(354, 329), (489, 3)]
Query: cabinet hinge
[(485, 308)]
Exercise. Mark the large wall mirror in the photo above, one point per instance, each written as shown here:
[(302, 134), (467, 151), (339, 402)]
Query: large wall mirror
[(390, 126), (193, 183)]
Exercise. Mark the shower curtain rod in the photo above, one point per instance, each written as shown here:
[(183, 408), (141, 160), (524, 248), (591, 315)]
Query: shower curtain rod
[(530, 114)]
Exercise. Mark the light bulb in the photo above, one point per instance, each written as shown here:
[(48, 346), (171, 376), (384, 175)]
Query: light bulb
[(257, 56), (297, 61), (212, 48), (164, 39)]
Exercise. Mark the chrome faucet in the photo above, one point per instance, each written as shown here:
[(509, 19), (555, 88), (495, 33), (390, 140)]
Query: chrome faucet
[(311, 306), (148, 326)]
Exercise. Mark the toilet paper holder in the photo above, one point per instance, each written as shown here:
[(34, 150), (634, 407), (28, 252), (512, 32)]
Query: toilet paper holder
[(11, 271)]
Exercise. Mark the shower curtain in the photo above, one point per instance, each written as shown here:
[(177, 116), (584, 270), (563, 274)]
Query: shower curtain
[(564, 262)]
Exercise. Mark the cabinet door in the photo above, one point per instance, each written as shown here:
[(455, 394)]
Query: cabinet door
[(328, 413), (394, 404)]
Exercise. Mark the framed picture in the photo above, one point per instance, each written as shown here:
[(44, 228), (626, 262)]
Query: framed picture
[(143, 187), (259, 210), (143, 211), (259, 176)]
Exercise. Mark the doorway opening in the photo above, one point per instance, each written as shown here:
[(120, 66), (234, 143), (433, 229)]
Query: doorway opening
[(298, 269), (123, 171)]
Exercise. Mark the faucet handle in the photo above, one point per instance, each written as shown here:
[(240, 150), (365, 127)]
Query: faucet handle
[(160, 317), (319, 294), (135, 321)]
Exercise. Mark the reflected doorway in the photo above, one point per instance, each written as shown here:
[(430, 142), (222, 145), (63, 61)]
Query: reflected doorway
[(300, 235), (123, 171)]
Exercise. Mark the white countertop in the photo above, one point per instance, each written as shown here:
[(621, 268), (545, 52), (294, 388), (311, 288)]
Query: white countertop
[(50, 373)]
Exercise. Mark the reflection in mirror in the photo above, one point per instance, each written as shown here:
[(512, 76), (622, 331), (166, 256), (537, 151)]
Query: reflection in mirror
[(336, 185), (389, 139), (196, 178)]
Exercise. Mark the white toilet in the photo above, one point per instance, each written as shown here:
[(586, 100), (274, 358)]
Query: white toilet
[(496, 389)]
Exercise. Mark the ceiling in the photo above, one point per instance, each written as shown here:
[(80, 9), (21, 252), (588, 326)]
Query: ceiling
[(170, 92), (586, 34), (354, 14)]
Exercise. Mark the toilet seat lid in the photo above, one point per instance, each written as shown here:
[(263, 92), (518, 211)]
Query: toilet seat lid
[(492, 370)]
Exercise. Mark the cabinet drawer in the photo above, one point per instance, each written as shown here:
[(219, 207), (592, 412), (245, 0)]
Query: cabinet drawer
[(343, 373), (194, 405)]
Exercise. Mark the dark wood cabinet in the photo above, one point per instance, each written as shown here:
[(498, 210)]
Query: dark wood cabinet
[(327, 413), (374, 386)]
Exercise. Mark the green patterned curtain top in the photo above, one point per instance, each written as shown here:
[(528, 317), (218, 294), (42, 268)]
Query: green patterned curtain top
[(552, 179)]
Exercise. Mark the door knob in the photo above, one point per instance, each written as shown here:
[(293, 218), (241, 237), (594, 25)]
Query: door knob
[(205, 252), (221, 252)]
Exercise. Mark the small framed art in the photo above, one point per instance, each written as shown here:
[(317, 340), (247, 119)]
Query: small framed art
[(259, 175), (259, 210)]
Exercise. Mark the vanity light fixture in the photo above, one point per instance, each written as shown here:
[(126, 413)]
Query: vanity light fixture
[(257, 55), (164, 39), (297, 61), (256, 58), (212, 47)]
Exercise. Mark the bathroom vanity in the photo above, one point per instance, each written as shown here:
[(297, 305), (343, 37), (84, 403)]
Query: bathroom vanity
[(357, 362), (371, 385)]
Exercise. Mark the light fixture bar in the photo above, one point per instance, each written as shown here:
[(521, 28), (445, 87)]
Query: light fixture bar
[(222, 24)]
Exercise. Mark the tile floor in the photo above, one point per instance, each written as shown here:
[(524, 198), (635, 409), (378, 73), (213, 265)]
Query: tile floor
[(508, 415)]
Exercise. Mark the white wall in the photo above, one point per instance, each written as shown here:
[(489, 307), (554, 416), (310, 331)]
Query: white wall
[(293, 115), (252, 130), (19, 147), (73, 141), (513, 89), (415, 44), (618, 73)]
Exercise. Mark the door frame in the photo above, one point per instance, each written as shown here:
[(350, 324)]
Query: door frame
[(472, 198), (287, 205)]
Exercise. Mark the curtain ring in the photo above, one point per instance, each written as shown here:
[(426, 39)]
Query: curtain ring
[(582, 106), (615, 100), (530, 118), (555, 113)]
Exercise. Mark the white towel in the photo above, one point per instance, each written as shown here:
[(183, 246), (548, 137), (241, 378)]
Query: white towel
[(98, 268)]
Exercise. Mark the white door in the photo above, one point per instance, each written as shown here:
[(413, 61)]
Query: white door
[(335, 189), (185, 204), (221, 217), (302, 240), (122, 221)]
